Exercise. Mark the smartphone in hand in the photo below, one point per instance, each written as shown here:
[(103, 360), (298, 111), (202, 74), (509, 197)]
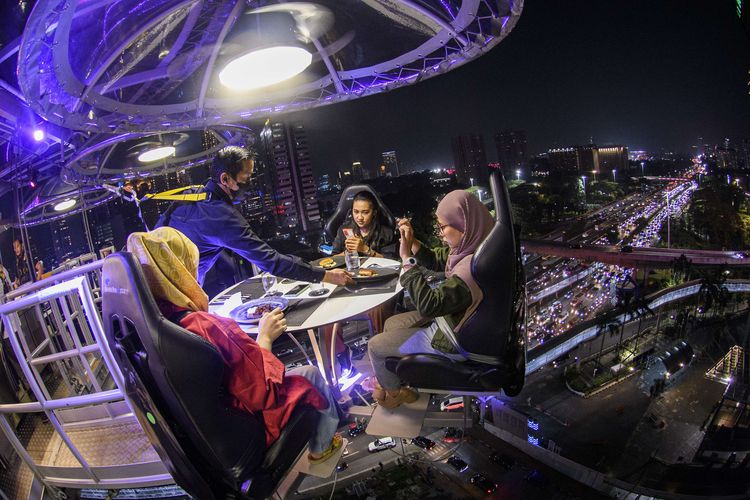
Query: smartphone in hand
[(348, 232)]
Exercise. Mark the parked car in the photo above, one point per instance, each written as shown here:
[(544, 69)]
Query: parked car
[(454, 403), (453, 435), (381, 444), (356, 428), (503, 460), (483, 483), (457, 463), (423, 442)]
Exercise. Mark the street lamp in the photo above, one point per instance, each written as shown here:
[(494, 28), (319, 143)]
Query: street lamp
[(643, 165), (594, 172), (669, 217), (614, 173), (471, 181), (518, 173), (583, 178)]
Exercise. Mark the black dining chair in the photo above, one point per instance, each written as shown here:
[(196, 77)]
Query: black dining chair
[(493, 337), (174, 381), (344, 209)]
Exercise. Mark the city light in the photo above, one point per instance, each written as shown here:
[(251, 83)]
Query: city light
[(614, 173), (518, 173), (64, 205), (156, 154), (264, 67)]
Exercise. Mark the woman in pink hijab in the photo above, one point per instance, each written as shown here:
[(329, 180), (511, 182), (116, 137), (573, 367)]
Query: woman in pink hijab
[(462, 222)]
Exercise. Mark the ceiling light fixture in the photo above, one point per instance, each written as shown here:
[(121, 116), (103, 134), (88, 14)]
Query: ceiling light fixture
[(158, 153), (264, 67), (38, 134), (64, 205)]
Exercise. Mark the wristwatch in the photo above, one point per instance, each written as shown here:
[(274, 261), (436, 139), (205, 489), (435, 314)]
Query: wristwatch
[(410, 262)]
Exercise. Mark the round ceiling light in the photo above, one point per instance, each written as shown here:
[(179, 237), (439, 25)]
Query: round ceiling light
[(156, 154), (64, 205), (264, 67)]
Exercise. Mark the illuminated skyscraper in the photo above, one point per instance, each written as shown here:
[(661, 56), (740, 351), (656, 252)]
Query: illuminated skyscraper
[(390, 162), (470, 159), (357, 172), (613, 158), (511, 149), (284, 147)]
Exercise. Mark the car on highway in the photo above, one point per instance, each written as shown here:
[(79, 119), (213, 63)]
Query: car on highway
[(423, 442), (483, 483), (457, 463), (356, 428), (453, 435), (381, 444), (284, 352), (454, 403)]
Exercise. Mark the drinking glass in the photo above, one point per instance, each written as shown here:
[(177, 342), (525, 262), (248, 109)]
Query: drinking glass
[(317, 289), (352, 261), (268, 280)]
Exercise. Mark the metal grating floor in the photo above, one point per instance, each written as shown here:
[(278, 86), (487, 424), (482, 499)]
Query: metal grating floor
[(121, 443)]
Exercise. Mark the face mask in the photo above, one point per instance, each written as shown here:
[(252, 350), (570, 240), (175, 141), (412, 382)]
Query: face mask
[(243, 191)]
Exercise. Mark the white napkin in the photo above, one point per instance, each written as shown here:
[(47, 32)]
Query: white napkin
[(234, 301)]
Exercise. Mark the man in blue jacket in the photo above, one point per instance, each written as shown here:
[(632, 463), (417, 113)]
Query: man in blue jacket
[(213, 224)]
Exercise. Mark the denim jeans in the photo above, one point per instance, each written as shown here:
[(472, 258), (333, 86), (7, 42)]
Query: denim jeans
[(402, 335), (329, 418)]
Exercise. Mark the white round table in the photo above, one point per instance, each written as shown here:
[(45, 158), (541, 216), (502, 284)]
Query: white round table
[(330, 310)]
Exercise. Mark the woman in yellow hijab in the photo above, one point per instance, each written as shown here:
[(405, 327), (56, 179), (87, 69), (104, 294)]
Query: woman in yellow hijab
[(256, 377)]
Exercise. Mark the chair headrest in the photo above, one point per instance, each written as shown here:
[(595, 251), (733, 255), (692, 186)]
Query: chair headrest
[(344, 208)]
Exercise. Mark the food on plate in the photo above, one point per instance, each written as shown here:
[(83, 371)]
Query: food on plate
[(328, 262), (258, 311), (366, 273)]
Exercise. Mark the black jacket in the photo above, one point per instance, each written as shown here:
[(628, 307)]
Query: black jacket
[(214, 224)]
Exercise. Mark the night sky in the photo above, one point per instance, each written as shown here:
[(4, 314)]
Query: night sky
[(648, 74)]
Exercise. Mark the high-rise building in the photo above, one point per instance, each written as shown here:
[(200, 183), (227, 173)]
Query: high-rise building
[(390, 164), (100, 224), (470, 159), (562, 159), (287, 150), (588, 158), (613, 158), (68, 237), (511, 147), (357, 173)]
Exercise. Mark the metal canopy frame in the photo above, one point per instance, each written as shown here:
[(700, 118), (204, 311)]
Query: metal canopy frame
[(463, 30)]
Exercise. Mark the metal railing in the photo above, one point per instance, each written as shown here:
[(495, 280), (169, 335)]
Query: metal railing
[(55, 329)]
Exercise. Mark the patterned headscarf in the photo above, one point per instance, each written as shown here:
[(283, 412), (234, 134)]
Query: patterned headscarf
[(170, 262)]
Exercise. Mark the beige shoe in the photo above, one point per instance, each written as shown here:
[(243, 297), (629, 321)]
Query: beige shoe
[(393, 398)]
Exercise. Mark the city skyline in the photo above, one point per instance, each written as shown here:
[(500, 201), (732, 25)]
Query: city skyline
[(653, 87)]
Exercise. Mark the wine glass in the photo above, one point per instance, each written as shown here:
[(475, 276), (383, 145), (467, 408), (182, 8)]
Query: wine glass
[(268, 280)]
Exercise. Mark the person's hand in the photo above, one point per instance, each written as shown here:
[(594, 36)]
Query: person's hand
[(357, 244), (271, 326), (39, 267), (407, 238), (338, 277)]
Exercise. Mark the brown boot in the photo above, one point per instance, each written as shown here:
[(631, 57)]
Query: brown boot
[(393, 398)]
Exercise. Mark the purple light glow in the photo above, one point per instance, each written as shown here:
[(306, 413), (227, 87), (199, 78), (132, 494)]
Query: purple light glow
[(38, 134)]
